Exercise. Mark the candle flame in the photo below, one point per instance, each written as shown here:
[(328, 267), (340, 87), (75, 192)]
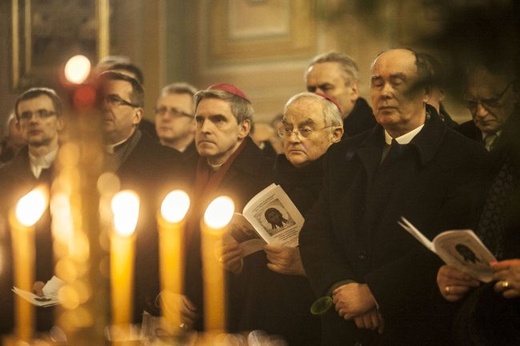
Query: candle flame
[(125, 207), (77, 69), (30, 207), (219, 212), (175, 206)]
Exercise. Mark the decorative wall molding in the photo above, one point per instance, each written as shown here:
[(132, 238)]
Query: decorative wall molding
[(245, 31)]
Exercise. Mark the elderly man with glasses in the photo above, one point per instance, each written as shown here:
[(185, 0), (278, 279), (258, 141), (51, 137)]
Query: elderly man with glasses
[(280, 296), (491, 96)]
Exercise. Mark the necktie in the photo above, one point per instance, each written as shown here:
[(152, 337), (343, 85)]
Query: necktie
[(394, 152), (490, 140)]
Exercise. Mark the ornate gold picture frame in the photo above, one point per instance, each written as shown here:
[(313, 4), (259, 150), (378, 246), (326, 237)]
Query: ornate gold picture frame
[(45, 33)]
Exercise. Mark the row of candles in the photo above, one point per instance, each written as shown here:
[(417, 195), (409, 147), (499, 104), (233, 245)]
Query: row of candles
[(79, 199), (125, 211)]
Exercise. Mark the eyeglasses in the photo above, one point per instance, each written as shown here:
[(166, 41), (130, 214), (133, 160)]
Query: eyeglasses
[(174, 112), (490, 103), (303, 132), (115, 100), (41, 113)]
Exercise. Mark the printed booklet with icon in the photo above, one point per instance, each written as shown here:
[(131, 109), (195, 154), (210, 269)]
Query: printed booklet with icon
[(461, 249), (50, 293), (268, 218)]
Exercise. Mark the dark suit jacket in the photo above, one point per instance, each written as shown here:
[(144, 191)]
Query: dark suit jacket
[(249, 173), (352, 232), (359, 120), (276, 303), (16, 180), (470, 130), (149, 170)]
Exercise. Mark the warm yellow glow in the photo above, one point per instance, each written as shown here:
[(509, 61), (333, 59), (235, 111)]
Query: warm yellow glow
[(175, 206), (62, 223), (219, 212), (77, 69), (125, 207), (30, 207)]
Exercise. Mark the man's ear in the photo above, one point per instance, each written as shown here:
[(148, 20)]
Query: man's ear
[(336, 134), (60, 124), (138, 116), (354, 85), (244, 128)]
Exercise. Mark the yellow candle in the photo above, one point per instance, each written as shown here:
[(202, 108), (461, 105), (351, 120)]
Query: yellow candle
[(29, 210), (171, 228), (216, 218), (125, 209)]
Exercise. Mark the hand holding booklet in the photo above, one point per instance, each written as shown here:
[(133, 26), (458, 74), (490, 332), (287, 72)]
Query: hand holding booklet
[(50, 293), (461, 249), (268, 218)]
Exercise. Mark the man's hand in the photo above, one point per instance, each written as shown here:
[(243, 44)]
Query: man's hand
[(353, 300), (178, 306), (508, 275), (38, 288), (232, 257), (454, 284), (284, 260), (370, 320)]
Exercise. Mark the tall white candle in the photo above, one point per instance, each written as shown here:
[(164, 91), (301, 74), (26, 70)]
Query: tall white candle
[(125, 209), (216, 218), (28, 211)]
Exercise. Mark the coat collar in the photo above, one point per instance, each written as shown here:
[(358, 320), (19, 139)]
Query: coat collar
[(426, 143), (248, 161)]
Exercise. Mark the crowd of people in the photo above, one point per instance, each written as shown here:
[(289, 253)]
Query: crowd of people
[(352, 170)]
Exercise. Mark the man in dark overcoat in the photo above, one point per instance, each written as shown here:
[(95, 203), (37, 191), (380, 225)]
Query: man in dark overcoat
[(142, 165), (352, 247), (228, 163)]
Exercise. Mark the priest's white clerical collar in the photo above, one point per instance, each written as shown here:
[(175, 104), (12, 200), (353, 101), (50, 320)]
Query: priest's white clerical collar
[(110, 148), (44, 162), (404, 139), (214, 167)]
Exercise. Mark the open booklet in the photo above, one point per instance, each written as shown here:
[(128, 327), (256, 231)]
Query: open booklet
[(50, 293), (461, 249), (268, 218)]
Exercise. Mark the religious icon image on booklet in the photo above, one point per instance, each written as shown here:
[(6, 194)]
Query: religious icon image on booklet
[(268, 218), (461, 249)]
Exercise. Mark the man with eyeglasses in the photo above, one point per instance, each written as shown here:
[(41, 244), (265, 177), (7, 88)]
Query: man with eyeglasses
[(279, 295), (39, 118), (142, 165), (174, 120), (491, 96), (352, 247)]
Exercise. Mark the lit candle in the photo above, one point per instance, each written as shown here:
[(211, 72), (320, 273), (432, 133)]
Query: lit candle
[(216, 218), (171, 228), (125, 209), (28, 211)]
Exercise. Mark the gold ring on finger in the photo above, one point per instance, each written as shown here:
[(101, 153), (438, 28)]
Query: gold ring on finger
[(447, 289), (505, 284)]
